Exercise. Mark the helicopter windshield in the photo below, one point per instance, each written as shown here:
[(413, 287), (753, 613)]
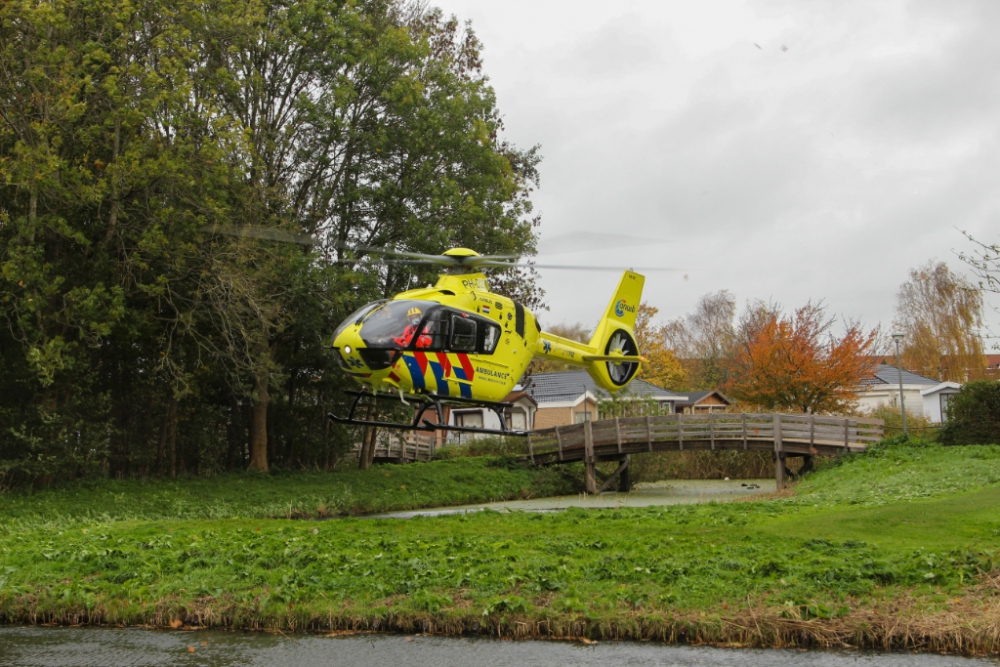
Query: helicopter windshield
[(356, 317), (395, 325)]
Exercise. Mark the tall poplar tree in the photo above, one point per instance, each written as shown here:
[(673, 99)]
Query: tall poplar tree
[(941, 314)]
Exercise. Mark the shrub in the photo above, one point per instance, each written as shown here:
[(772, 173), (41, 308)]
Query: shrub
[(916, 425), (484, 445), (974, 415)]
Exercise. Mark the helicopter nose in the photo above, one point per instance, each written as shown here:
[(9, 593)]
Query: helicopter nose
[(347, 346)]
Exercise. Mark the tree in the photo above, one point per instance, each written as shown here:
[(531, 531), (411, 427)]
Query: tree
[(703, 339), (985, 261), (973, 415), (796, 363), (91, 193), (661, 367), (135, 340), (940, 312)]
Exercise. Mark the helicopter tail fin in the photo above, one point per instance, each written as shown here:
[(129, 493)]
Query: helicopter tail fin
[(612, 355)]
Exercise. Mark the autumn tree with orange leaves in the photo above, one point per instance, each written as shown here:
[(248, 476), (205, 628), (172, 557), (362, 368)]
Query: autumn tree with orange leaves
[(661, 367), (796, 362)]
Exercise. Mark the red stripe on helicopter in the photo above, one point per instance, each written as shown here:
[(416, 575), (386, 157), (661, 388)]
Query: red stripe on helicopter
[(421, 358), (393, 376), (467, 366), (445, 363)]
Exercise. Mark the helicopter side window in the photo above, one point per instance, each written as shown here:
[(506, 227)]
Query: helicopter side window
[(434, 333), (463, 333), (491, 336)]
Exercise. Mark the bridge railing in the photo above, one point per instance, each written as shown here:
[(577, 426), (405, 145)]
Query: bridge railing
[(746, 431), (406, 446)]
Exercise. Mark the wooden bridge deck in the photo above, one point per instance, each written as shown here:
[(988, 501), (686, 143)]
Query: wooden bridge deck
[(784, 435)]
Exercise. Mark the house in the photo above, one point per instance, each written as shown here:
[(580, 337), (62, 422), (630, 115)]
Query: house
[(935, 400), (571, 397), (520, 417), (993, 366), (882, 389), (702, 402)]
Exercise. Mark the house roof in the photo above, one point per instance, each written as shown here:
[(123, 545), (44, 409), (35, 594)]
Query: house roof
[(518, 394), (944, 386), (885, 374), (695, 397), (565, 386)]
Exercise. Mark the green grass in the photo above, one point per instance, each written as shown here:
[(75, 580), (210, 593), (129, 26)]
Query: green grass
[(283, 494), (914, 524)]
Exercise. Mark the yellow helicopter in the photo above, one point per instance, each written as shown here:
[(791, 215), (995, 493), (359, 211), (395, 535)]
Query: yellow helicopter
[(458, 344)]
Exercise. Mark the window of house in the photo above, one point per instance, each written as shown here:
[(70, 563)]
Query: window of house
[(582, 416), (518, 421), (945, 400), (469, 419)]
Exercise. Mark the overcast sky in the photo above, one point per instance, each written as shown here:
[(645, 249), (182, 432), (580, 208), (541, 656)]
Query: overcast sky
[(782, 150)]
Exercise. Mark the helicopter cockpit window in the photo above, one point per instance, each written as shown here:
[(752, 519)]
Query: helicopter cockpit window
[(491, 336), (356, 317), (395, 325), (463, 333)]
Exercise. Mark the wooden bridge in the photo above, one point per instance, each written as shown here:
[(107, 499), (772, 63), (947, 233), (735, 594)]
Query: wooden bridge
[(786, 436), (402, 447)]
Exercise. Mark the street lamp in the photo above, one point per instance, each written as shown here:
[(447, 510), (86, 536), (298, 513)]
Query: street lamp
[(898, 338)]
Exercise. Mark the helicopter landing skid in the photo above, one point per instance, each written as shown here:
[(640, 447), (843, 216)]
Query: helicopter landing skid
[(421, 423)]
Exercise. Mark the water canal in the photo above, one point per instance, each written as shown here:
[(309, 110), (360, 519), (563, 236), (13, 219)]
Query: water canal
[(83, 647), (671, 492)]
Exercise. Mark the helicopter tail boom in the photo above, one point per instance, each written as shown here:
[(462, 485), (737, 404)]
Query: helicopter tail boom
[(612, 355)]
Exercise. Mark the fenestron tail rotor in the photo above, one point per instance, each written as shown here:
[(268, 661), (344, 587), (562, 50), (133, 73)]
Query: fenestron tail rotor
[(621, 343)]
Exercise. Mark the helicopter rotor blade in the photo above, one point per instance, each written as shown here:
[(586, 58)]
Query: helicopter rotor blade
[(572, 267), (260, 232), (490, 258), (440, 260), (582, 267)]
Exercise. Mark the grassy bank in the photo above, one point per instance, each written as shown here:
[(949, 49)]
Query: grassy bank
[(898, 548), (284, 494)]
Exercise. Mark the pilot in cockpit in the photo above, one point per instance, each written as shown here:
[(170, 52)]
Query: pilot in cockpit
[(423, 340)]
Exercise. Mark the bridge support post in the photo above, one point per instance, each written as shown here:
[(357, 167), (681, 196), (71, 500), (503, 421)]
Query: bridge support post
[(621, 474), (588, 457), (779, 454)]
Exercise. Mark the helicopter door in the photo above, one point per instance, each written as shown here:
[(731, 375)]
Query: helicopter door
[(473, 334), (463, 333)]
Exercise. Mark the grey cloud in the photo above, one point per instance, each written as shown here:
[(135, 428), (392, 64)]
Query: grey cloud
[(826, 171)]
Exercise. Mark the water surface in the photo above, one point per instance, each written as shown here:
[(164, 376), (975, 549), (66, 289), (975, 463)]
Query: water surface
[(671, 492), (83, 647)]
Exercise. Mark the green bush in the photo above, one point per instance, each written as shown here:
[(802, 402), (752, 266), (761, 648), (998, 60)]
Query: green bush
[(974, 415), (490, 445), (916, 424)]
